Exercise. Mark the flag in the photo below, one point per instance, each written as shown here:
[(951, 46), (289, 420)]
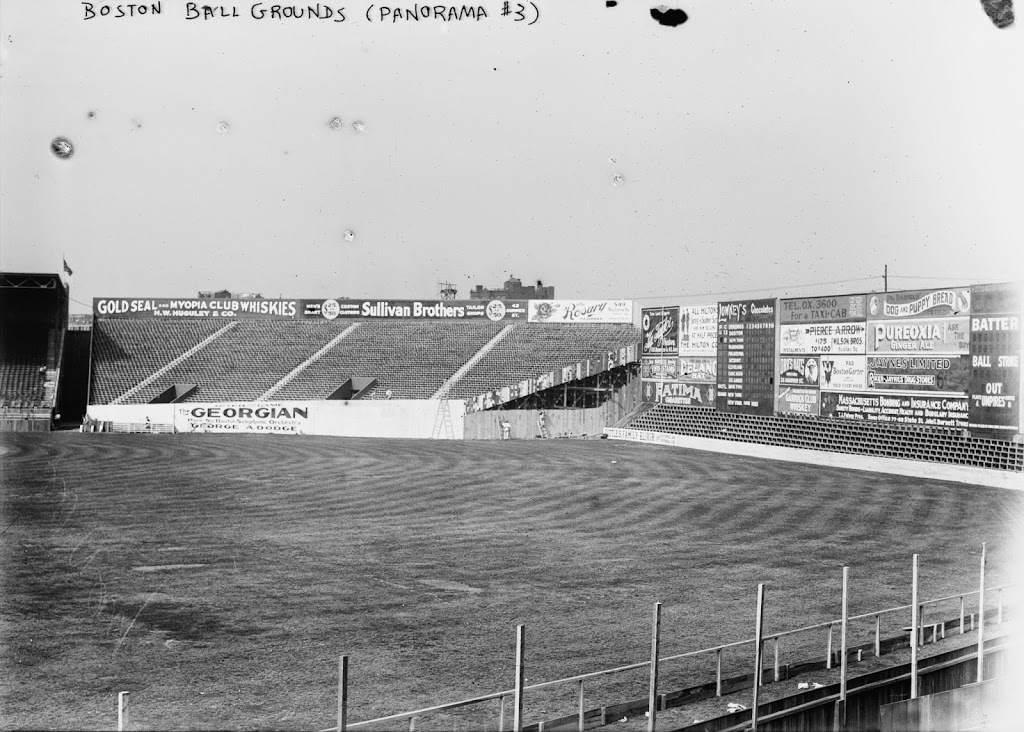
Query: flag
[(67, 268)]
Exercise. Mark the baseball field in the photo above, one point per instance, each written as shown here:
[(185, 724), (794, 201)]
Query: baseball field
[(219, 578)]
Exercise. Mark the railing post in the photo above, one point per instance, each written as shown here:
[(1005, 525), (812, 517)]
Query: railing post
[(999, 596), (913, 633), (777, 659), (581, 723), (961, 614), (342, 693), (501, 713), (718, 674), (652, 698), (122, 710), (981, 618), (412, 724), (840, 718), (878, 636), (757, 654), (828, 655), (517, 713)]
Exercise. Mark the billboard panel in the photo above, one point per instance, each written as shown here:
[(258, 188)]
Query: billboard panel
[(919, 373), (833, 309), (848, 338), (581, 311), (496, 310), (688, 395), (698, 330), (994, 388), (945, 303), (797, 400), (932, 335), (292, 418), (896, 408), (746, 356), (843, 373), (194, 307), (660, 332), (799, 370), (698, 368)]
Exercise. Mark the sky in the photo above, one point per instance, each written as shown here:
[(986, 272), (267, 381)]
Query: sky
[(786, 148)]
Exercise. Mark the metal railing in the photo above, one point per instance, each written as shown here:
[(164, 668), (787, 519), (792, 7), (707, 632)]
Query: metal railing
[(580, 679)]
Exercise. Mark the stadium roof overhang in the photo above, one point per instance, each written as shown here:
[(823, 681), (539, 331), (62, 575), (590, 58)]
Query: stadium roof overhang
[(30, 281)]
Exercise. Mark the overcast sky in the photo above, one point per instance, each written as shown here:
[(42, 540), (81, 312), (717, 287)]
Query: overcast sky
[(759, 144)]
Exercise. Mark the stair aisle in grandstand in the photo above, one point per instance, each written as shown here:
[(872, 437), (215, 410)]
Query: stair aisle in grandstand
[(411, 358), (933, 444), (537, 348)]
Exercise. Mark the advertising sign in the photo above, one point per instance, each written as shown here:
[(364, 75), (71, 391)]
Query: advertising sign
[(835, 309), (660, 332), (698, 330), (843, 373), (848, 338), (919, 373), (746, 357), (896, 408), (798, 400), (932, 335), (660, 369), (690, 395), (698, 368), (138, 307), (291, 418), (581, 311), (495, 310), (920, 304), (798, 370), (995, 358)]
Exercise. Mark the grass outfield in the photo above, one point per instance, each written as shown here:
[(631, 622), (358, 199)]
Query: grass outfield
[(417, 559)]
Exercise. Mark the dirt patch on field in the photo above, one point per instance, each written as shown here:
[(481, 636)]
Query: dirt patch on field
[(448, 585), (166, 567), (186, 620)]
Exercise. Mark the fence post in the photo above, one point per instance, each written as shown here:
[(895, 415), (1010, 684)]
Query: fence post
[(777, 639), (517, 712), (581, 724), (757, 654), (342, 693), (412, 724), (981, 618), (961, 614), (122, 710), (878, 637), (840, 713), (501, 713), (913, 633), (828, 655), (718, 674), (652, 698), (999, 595)]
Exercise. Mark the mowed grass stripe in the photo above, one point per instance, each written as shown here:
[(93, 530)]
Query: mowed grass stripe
[(317, 546)]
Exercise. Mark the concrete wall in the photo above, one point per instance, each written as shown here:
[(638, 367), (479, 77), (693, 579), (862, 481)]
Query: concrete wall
[(410, 418), (525, 423)]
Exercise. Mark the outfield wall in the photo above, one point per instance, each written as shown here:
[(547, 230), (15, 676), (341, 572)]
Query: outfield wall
[(408, 418), (947, 357)]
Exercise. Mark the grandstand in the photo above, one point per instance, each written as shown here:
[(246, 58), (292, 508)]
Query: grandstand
[(33, 321), (136, 359)]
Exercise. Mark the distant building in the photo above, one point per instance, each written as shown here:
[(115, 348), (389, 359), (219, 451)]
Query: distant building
[(514, 290), (227, 295)]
